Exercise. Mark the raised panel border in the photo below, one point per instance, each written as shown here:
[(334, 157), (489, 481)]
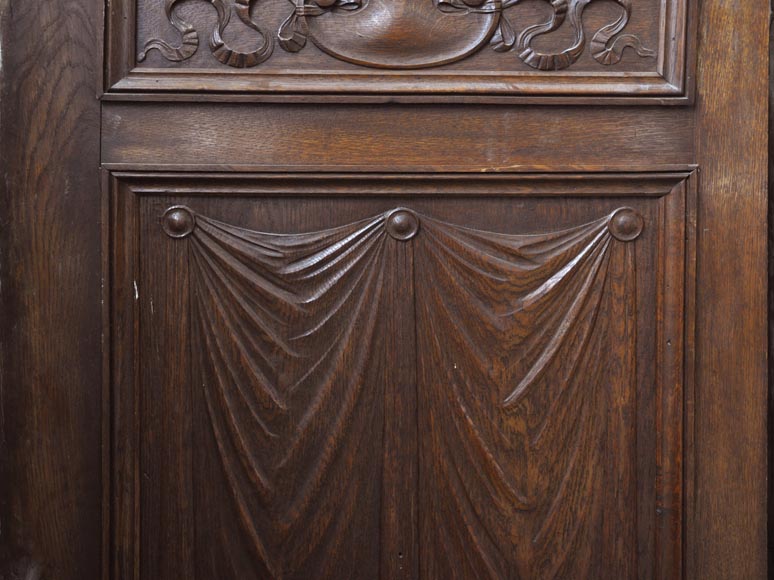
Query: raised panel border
[(671, 84), (676, 195)]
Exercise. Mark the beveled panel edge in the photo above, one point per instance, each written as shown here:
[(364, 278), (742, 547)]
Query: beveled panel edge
[(346, 88), (526, 169), (586, 184), (673, 84), (327, 98)]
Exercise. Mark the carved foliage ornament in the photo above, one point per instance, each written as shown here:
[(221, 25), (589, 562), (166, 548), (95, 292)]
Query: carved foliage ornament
[(405, 34)]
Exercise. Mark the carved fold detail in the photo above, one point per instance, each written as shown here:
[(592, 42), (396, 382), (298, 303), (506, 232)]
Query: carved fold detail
[(510, 331), (219, 48), (409, 34), (286, 408), (517, 391)]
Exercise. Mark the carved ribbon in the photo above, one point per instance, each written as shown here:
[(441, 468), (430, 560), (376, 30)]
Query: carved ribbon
[(220, 49), (506, 330), (294, 31), (602, 49), (607, 44)]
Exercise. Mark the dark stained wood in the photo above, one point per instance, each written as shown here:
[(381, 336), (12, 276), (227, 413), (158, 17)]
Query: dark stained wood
[(728, 534), (165, 414), (411, 289), (490, 47), (252, 137), (631, 263), (770, 248), (531, 400), (121, 485), (50, 303), (400, 554)]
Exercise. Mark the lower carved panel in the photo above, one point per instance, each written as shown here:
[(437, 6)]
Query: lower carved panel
[(527, 388), (449, 388), (287, 326)]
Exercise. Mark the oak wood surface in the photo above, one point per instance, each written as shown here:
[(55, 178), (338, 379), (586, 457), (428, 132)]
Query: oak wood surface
[(410, 305), (50, 270), (444, 48), (249, 137), (728, 533), (224, 260), (769, 246)]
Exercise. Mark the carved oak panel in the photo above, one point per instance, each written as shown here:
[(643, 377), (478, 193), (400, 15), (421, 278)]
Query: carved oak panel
[(485, 384), (461, 47)]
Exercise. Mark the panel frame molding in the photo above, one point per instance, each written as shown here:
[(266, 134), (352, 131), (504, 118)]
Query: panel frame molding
[(671, 84), (675, 192)]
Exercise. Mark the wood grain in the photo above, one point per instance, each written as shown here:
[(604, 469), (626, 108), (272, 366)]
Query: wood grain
[(406, 138), (631, 51), (479, 377), (729, 530), (515, 397), (50, 393), (770, 249)]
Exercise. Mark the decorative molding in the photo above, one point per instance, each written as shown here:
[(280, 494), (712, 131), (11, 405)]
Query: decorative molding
[(402, 224), (407, 50), (407, 34), (508, 421), (626, 224), (178, 222)]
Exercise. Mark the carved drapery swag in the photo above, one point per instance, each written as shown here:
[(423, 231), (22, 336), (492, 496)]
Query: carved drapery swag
[(441, 31), (507, 327)]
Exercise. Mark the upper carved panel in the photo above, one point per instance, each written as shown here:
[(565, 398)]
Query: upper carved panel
[(406, 34), (464, 47)]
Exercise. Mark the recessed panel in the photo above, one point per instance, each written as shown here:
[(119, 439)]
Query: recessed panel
[(477, 47), (390, 384)]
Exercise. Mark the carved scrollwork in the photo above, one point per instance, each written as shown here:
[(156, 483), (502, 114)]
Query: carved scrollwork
[(606, 48), (294, 31), (220, 49), (405, 34)]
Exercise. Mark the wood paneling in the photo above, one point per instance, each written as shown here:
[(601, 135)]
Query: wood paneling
[(729, 530), (536, 387), (435, 47), (341, 138), (50, 303), (493, 373)]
